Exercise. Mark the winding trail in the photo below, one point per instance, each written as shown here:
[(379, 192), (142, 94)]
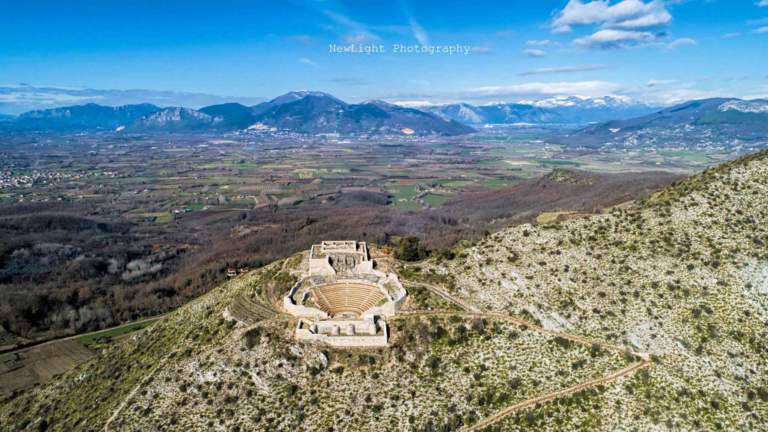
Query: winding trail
[(471, 311), (445, 295), (499, 415), (138, 387)]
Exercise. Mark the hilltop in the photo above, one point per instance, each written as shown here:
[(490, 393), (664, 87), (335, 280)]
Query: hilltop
[(680, 277)]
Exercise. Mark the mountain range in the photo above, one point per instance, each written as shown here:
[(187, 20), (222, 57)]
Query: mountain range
[(560, 110), (302, 112), (20, 98), (717, 121)]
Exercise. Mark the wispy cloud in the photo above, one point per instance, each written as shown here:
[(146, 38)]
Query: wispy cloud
[(610, 39), (534, 52), (581, 88), (681, 42), (417, 30), (349, 81), (302, 39), (563, 69), (762, 3), (356, 32), (763, 29), (308, 62), (659, 82), (481, 50), (538, 42)]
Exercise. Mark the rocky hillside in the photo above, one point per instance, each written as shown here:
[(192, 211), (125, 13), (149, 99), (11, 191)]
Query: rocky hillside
[(716, 122), (680, 278), (682, 275)]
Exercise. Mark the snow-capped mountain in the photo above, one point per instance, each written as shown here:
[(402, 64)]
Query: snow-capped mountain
[(757, 106), (497, 113), (559, 109), (580, 109)]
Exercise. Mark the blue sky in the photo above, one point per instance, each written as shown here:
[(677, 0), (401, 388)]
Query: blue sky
[(654, 50)]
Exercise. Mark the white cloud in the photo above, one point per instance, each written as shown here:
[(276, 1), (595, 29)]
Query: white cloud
[(414, 103), (358, 38), (626, 14), (419, 33), (540, 42), (307, 62), (357, 32), (533, 52), (562, 69), (302, 39), (675, 96), (609, 38), (417, 30), (659, 82), (731, 35), (481, 49), (762, 30), (681, 42), (581, 88), (762, 3)]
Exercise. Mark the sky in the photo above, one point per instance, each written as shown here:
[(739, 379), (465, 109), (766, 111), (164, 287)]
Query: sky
[(405, 51)]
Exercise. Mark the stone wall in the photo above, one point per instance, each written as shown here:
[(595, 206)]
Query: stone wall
[(304, 333), (300, 310)]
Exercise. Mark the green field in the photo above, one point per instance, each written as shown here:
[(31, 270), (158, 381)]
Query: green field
[(98, 338), (435, 200)]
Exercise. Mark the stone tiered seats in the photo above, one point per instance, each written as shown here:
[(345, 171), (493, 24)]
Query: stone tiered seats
[(347, 297)]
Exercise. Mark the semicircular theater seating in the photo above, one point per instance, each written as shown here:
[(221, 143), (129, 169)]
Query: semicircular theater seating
[(344, 297)]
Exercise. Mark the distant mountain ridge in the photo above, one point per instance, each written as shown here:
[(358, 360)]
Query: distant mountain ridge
[(301, 112), (715, 120), (21, 98), (495, 114), (561, 110), (86, 116)]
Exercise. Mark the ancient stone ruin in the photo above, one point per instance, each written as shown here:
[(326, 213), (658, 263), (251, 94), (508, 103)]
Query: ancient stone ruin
[(343, 300)]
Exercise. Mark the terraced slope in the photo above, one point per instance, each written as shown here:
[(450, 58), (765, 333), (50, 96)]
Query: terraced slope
[(683, 275)]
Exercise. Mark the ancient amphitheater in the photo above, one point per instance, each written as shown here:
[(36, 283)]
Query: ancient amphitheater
[(344, 300)]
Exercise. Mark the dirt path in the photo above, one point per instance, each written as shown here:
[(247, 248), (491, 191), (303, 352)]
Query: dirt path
[(162, 362), (138, 387), (471, 311), (445, 295), (498, 416)]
